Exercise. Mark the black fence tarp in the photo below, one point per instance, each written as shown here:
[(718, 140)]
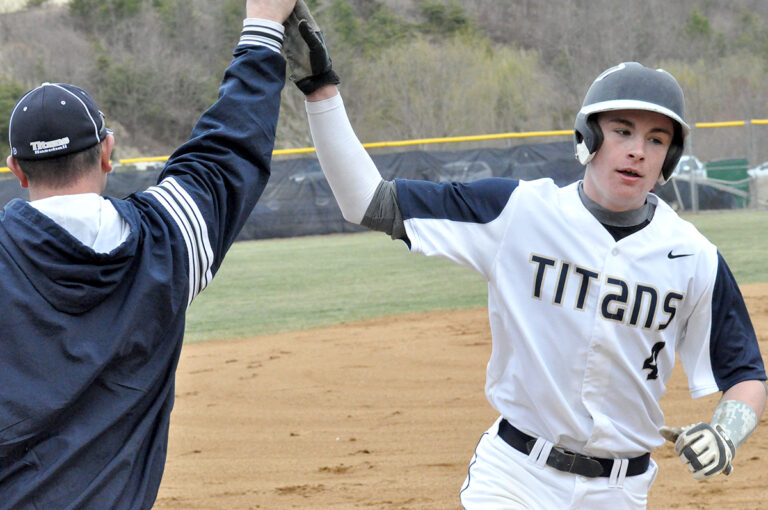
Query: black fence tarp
[(298, 200)]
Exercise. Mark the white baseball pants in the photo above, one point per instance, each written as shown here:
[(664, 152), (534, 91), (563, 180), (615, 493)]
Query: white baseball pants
[(502, 478)]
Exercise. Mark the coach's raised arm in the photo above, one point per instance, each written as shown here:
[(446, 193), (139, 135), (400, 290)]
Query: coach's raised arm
[(95, 290)]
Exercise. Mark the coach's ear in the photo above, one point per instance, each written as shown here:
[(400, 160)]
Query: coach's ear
[(107, 145), (17, 171)]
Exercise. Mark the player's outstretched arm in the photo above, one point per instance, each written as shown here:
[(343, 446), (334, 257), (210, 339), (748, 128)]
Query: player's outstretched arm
[(350, 171), (708, 448)]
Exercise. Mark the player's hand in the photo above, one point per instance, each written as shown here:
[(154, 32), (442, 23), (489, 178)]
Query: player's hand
[(707, 450), (275, 10), (305, 50)]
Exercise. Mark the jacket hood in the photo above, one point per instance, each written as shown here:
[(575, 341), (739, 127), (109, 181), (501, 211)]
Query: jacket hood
[(70, 276)]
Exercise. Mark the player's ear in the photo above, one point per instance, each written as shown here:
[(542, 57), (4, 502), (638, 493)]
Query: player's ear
[(17, 171)]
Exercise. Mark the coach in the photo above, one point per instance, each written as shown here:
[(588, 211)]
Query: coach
[(95, 290)]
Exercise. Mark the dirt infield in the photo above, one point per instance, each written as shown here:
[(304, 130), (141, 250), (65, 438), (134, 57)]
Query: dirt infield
[(382, 414)]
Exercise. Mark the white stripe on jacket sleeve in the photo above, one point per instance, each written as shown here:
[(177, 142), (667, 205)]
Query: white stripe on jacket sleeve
[(194, 230), (262, 32)]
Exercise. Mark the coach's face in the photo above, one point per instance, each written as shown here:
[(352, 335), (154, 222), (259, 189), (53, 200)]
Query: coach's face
[(628, 163)]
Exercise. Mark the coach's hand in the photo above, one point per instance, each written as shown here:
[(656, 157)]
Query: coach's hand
[(305, 50), (275, 10), (707, 450)]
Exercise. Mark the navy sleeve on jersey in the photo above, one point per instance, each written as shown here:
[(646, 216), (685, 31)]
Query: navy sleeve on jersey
[(478, 201), (734, 350), (459, 221)]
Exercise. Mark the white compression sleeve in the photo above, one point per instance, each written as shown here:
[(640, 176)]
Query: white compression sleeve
[(349, 169)]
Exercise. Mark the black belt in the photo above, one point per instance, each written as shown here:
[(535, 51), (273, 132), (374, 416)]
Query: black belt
[(570, 462)]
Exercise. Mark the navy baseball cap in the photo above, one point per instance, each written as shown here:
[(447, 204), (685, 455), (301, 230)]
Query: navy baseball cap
[(54, 119)]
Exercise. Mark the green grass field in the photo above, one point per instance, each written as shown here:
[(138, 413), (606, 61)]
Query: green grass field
[(292, 284), (742, 238)]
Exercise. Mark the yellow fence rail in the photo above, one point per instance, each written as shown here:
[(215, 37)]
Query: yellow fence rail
[(731, 123), (452, 139), (399, 143)]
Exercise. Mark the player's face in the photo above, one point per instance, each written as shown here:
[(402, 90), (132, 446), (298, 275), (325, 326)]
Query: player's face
[(628, 163)]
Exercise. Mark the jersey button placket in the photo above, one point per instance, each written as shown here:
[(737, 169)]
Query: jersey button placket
[(597, 369)]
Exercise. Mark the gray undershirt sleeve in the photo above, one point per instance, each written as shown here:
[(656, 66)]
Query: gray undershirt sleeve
[(383, 213)]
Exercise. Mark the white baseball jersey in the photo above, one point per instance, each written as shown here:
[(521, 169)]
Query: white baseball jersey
[(585, 328)]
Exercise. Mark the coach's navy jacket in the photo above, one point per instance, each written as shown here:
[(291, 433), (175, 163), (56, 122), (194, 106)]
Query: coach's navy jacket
[(89, 342)]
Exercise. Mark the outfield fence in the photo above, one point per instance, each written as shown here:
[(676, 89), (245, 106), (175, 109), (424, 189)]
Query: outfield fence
[(728, 159), (752, 147)]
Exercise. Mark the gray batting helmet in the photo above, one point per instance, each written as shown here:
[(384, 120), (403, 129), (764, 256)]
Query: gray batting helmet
[(631, 86)]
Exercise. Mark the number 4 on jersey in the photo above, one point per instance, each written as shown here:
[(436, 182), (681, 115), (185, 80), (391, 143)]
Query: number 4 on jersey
[(650, 362)]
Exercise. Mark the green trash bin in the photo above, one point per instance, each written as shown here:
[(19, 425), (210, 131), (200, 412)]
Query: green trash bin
[(732, 170)]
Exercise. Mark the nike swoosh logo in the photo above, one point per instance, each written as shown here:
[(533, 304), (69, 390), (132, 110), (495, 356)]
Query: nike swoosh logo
[(671, 255)]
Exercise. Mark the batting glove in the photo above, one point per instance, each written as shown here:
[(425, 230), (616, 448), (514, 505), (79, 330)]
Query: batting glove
[(707, 450), (308, 58)]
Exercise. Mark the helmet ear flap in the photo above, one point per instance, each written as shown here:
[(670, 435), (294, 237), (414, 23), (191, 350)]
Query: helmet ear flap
[(588, 137), (674, 153)]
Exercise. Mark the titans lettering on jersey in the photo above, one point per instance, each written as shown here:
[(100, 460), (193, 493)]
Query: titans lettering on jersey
[(585, 328), (644, 306)]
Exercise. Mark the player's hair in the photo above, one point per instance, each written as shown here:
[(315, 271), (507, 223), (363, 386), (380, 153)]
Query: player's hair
[(61, 171)]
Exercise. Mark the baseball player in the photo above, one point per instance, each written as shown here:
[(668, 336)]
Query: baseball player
[(95, 290), (592, 289)]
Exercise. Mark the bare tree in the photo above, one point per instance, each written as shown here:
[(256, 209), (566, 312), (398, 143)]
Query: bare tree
[(456, 87), (527, 67), (41, 45)]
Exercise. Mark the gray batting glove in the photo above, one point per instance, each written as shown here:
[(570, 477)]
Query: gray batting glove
[(707, 450), (308, 58)]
